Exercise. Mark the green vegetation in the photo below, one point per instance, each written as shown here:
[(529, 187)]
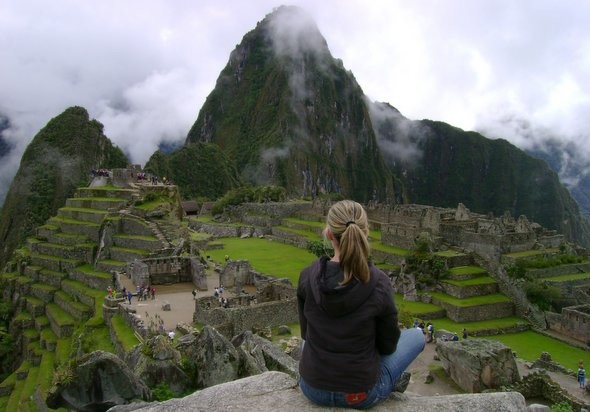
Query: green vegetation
[(125, 335), (529, 345), (265, 256), (545, 296), (162, 392), (467, 270), (482, 325), (484, 280), (415, 308), (249, 194), (473, 301)]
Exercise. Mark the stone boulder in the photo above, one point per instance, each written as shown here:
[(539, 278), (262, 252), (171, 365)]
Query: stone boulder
[(98, 381), (258, 355), (277, 391), (478, 364), (213, 357), (157, 361)]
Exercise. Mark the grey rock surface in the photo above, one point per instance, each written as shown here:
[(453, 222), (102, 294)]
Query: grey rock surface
[(258, 355), (478, 364), (156, 361), (100, 381), (214, 357), (277, 391)]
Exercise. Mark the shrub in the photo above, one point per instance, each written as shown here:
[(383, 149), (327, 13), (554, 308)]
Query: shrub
[(562, 406), (245, 194), (517, 271), (319, 248), (162, 392), (544, 296)]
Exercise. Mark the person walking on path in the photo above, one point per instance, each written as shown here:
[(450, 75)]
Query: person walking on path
[(581, 375), (353, 352)]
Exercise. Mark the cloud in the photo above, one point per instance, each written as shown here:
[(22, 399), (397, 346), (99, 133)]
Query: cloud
[(144, 68)]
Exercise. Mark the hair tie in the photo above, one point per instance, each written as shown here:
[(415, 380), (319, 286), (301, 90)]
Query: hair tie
[(350, 222)]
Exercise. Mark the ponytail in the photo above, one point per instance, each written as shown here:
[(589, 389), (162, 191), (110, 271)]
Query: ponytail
[(348, 222)]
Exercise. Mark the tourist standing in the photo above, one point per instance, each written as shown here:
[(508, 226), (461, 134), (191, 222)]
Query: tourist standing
[(353, 352), (129, 296), (465, 333), (581, 375)]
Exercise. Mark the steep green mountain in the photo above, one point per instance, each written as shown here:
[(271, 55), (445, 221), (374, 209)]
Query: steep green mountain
[(58, 160), (443, 165), (199, 170), (287, 113), (570, 162)]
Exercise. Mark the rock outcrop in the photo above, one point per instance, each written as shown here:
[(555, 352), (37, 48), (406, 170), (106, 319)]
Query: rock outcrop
[(259, 355), (274, 391), (100, 381), (156, 362), (478, 364), (213, 357)]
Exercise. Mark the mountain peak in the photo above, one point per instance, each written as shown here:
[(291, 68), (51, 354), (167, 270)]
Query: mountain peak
[(293, 33)]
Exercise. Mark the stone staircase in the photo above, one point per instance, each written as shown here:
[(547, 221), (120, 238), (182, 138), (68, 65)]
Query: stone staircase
[(58, 284)]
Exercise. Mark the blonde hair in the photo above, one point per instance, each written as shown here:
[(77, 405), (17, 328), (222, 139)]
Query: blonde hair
[(347, 220)]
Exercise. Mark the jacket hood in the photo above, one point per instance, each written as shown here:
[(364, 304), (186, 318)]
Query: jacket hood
[(339, 300)]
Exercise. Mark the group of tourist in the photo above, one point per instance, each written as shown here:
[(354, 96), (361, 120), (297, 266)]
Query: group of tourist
[(428, 330), (145, 292), (100, 172)]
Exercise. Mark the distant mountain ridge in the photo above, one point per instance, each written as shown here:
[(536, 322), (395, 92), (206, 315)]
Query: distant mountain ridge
[(572, 168)]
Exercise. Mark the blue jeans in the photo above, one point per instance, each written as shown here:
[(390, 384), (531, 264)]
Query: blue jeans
[(409, 346)]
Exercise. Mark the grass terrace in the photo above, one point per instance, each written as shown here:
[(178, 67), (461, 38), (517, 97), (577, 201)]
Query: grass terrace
[(416, 309), (390, 249), (89, 270), (265, 256), (484, 280), (124, 333), (307, 234), (532, 253), (482, 325), (529, 345), (467, 270), (473, 301), (564, 278), (448, 253)]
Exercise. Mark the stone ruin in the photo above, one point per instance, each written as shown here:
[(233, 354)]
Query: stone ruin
[(269, 302), (168, 270), (574, 321), (478, 364), (484, 234)]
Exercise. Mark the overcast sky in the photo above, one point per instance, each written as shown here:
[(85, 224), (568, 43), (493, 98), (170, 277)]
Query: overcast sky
[(143, 68)]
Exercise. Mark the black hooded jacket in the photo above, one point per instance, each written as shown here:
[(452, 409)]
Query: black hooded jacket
[(346, 328)]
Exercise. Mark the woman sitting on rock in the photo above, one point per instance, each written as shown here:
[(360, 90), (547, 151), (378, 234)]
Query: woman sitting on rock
[(354, 352)]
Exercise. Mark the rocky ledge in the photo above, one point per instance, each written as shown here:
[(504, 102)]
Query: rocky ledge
[(274, 391)]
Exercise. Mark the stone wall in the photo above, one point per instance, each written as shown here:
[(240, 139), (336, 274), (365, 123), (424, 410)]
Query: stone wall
[(574, 322), (462, 292), (235, 274), (229, 230), (477, 313), (167, 270), (242, 318)]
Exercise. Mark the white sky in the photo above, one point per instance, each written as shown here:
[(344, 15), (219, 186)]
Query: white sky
[(144, 67)]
